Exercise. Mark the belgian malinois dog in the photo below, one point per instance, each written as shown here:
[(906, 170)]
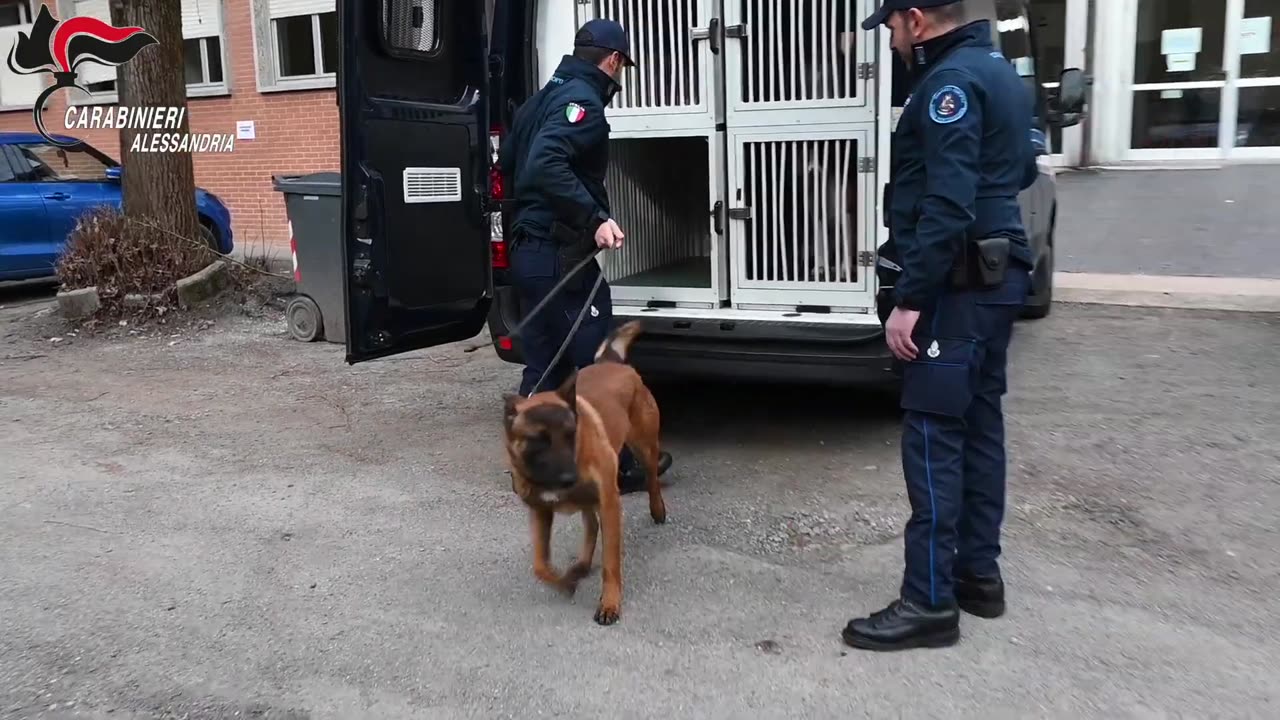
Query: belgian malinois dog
[(562, 447)]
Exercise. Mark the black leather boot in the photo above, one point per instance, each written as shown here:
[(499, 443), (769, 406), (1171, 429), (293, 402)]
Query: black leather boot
[(631, 479), (983, 597), (904, 625)]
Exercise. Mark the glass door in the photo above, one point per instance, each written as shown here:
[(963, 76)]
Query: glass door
[(1180, 80), (1257, 113)]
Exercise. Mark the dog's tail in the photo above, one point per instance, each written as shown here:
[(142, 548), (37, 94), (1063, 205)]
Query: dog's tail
[(616, 347)]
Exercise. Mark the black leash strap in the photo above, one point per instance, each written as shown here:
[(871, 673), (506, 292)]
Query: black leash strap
[(515, 332), (572, 331)]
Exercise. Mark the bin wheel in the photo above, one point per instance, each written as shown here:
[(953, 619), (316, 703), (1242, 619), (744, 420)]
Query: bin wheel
[(304, 319)]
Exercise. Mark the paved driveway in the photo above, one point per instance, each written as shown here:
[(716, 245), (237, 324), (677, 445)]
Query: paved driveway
[(231, 524), (1220, 222)]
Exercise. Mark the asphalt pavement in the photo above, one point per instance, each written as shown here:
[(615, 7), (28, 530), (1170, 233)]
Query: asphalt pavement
[(1213, 222), (218, 522)]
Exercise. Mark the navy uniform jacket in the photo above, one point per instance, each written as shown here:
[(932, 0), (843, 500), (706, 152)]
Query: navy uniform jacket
[(961, 154), (558, 152)]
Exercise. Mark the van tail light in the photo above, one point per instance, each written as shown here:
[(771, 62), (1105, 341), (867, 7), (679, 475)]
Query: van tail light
[(498, 243)]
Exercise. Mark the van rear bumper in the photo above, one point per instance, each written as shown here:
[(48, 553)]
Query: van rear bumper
[(769, 352)]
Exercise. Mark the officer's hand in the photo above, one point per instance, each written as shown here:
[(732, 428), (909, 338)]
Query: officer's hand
[(898, 331), (609, 235)]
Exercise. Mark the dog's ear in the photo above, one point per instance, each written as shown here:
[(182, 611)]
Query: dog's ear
[(510, 403), (568, 390)]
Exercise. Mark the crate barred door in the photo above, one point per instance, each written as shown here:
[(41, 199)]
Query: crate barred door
[(674, 83), (798, 62), (802, 218)]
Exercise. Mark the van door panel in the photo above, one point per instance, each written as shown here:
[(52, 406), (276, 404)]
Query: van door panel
[(414, 172)]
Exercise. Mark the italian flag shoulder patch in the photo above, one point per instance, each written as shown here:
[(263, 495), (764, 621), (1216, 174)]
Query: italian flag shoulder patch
[(575, 112)]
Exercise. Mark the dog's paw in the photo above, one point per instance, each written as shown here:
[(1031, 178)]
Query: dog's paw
[(607, 614), (658, 511), (569, 583)]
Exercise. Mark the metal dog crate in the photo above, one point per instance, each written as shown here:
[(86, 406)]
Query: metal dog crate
[(742, 157)]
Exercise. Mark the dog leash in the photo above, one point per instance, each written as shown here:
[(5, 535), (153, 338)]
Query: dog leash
[(515, 332), (572, 331)]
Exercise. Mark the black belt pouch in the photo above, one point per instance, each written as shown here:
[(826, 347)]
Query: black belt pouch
[(984, 264)]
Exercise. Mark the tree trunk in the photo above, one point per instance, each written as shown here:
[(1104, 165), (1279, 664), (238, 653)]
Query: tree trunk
[(158, 187)]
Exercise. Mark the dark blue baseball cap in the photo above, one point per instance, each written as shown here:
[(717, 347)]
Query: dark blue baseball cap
[(607, 34), (888, 7)]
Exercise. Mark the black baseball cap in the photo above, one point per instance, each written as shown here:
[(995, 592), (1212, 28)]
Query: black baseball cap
[(889, 6), (607, 34)]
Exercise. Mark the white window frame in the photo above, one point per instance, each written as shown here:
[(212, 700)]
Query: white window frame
[(23, 5), (317, 43), (267, 58), (26, 17), (66, 9), (198, 88)]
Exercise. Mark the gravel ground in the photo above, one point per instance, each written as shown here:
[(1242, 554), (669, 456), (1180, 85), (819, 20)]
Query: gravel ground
[(215, 521)]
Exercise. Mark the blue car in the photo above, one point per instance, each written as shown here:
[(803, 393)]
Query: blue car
[(44, 189)]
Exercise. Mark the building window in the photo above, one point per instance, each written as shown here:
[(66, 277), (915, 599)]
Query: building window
[(202, 48), (202, 60), (15, 12), (16, 91), (306, 45), (298, 45)]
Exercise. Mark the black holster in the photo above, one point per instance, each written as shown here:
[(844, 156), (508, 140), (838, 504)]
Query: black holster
[(982, 264), (572, 246)]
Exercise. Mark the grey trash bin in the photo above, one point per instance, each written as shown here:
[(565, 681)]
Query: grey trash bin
[(314, 206)]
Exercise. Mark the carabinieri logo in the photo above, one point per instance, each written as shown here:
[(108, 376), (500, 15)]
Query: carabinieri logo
[(59, 47)]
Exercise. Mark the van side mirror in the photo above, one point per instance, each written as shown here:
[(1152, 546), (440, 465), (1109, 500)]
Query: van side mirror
[(113, 173), (1068, 105)]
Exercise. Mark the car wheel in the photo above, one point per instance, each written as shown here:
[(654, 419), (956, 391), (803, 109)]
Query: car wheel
[(303, 317), (1038, 307)]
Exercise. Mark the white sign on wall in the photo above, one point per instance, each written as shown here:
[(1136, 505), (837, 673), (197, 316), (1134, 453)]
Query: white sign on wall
[(1255, 36), (1176, 41)]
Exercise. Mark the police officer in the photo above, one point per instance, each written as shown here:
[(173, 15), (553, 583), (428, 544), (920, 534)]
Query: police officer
[(961, 155), (557, 153)]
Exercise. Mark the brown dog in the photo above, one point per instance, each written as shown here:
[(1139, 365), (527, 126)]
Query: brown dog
[(562, 447)]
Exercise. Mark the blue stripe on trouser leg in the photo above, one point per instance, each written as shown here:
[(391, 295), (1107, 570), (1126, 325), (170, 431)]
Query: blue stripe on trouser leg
[(937, 390), (932, 460)]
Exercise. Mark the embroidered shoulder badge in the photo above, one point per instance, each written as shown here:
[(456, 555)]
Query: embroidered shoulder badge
[(948, 105), (575, 112)]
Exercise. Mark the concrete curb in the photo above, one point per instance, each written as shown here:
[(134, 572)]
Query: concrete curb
[(1169, 291)]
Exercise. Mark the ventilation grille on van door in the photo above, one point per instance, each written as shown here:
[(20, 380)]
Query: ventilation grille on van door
[(666, 73), (804, 198), (432, 185), (799, 50)]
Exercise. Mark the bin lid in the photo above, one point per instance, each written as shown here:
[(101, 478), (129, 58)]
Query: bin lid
[(320, 183)]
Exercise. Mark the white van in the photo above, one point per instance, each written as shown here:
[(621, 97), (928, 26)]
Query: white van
[(748, 160)]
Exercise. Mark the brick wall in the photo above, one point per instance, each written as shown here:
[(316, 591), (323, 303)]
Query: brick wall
[(296, 132)]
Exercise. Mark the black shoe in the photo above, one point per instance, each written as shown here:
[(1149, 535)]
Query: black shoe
[(632, 479), (983, 597), (904, 625)]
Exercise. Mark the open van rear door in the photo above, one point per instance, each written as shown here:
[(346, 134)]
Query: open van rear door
[(415, 162)]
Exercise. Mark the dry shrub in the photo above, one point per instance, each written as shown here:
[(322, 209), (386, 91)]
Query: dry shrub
[(125, 257)]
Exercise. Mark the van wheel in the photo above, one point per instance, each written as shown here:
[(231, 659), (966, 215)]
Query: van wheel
[(1038, 307)]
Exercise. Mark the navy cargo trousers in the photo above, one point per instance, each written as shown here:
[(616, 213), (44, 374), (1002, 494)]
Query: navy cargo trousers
[(535, 269), (953, 438)]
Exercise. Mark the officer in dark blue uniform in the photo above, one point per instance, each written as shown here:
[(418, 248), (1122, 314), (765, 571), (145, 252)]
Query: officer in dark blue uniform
[(558, 153), (961, 155)]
